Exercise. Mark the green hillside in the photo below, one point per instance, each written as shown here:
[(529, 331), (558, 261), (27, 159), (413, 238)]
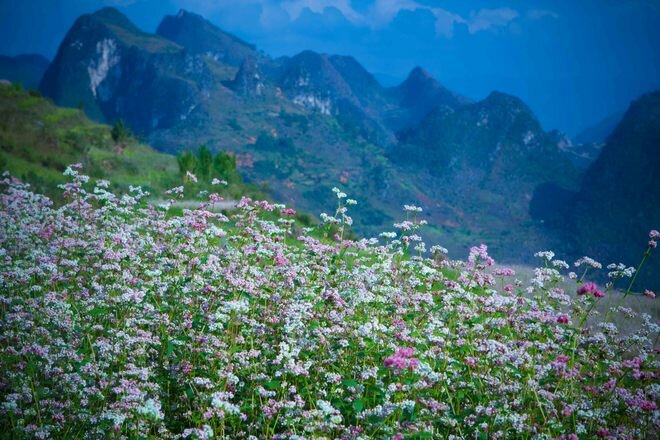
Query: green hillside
[(38, 140)]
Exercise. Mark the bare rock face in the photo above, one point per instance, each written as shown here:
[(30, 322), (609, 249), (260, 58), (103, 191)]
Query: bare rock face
[(114, 70), (249, 79)]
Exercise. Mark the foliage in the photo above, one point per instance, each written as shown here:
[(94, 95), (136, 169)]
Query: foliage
[(205, 167), (38, 140), (120, 132), (118, 318), (224, 165)]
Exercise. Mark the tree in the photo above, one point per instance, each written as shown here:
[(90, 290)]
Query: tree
[(224, 166), (120, 132), (187, 162), (204, 163)]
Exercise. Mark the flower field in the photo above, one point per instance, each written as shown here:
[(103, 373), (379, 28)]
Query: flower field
[(119, 319)]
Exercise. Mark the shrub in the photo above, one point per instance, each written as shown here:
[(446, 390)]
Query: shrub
[(120, 132)]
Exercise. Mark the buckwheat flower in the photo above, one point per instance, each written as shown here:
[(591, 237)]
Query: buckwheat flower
[(402, 359), (649, 294), (191, 176), (546, 255), (589, 262), (176, 190), (505, 272), (562, 319), (328, 219), (218, 401), (590, 288), (71, 172), (151, 410), (654, 234), (439, 250), (561, 264), (404, 225), (412, 208), (653, 244), (480, 254), (340, 195), (351, 202)]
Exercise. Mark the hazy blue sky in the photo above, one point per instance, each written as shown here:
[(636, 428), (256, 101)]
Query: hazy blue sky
[(574, 62)]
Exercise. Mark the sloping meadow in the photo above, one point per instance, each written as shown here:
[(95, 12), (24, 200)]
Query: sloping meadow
[(121, 319)]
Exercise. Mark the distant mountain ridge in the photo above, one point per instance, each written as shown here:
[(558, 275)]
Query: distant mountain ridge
[(198, 35), (26, 70), (599, 132), (618, 201), (305, 123)]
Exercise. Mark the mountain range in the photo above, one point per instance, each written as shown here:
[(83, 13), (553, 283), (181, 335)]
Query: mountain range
[(300, 125), (616, 205), (26, 70)]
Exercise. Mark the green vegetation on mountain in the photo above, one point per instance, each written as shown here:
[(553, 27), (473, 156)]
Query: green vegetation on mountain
[(38, 140)]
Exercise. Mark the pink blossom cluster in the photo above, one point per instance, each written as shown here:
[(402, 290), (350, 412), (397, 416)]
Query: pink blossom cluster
[(402, 359)]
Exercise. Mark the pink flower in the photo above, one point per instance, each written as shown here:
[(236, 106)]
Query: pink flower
[(480, 254), (562, 319), (505, 271), (654, 234), (653, 244), (402, 359), (591, 288), (649, 293)]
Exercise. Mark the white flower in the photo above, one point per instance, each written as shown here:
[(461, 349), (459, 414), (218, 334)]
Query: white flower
[(412, 208), (546, 255), (151, 410)]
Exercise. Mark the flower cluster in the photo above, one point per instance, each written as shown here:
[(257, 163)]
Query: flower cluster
[(402, 359), (591, 289), (124, 320)]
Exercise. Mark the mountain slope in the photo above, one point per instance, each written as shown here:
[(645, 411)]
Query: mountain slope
[(26, 70), (598, 133), (114, 70), (38, 140), (416, 97), (617, 204), (199, 36), (499, 137), (479, 165), (300, 125)]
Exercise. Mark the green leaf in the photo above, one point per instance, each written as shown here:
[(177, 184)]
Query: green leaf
[(98, 311), (272, 385), (358, 405)]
